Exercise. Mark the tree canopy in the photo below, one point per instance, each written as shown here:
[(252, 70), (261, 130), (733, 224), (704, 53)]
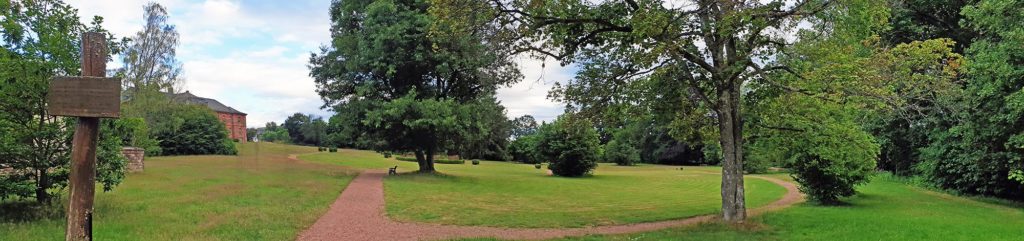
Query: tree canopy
[(41, 39), (711, 49), (410, 67)]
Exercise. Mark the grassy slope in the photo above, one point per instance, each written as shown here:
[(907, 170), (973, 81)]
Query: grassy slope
[(885, 210), (517, 195), (248, 197)]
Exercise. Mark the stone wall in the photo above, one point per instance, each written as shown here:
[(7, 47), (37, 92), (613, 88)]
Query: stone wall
[(136, 157)]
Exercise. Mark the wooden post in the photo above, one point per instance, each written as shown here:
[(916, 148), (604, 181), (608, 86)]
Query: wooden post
[(83, 147)]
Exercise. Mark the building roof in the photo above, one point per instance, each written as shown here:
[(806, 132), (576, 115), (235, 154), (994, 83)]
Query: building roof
[(213, 104)]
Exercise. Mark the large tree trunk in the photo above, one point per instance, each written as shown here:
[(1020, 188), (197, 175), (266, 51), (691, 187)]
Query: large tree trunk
[(730, 129), (421, 160), (426, 160)]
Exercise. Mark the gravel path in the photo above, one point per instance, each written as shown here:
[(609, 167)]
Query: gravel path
[(358, 214)]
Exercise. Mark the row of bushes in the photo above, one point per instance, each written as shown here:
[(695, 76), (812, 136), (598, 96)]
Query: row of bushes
[(438, 161)]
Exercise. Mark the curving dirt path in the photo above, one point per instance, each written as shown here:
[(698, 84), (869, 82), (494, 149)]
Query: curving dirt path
[(358, 214)]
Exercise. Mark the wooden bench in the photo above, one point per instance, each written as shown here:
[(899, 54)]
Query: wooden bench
[(393, 170)]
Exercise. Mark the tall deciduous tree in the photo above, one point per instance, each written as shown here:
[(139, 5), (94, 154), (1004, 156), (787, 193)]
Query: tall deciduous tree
[(485, 130), (523, 126), (149, 70), (716, 46), (294, 124), (406, 63), (41, 39), (149, 62)]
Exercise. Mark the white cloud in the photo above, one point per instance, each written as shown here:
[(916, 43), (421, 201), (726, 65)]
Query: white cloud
[(529, 97), (250, 60), (252, 55)]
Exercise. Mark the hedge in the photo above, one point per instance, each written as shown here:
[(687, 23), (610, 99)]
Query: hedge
[(438, 161)]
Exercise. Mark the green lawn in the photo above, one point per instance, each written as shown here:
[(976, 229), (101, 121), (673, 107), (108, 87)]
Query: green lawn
[(885, 210), (518, 195), (252, 196)]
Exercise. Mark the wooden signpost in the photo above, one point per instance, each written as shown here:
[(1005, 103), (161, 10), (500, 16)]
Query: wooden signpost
[(89, 98)]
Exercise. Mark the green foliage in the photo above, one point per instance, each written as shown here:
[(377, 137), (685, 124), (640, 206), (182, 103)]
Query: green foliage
[(523, 126), (148, 62), (428, 125), (40, 39), (524, 149), (570, 145), (332, 149), (827, 151), (484, 130), (976, 154), (476, 162), (920, 20), (134, 132), (305, 129), (346, 129), (148, 105), (402, 71), (926, 93), (111, 163), (192, 130), (1017, 175), (274, 133), (621, 153)]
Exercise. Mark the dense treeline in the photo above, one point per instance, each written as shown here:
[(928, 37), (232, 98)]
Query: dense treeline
[(972, 142), (299, 129), (834, 91)]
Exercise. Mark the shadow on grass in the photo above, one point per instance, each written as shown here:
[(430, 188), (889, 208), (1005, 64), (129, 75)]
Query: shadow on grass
[(425, 174), (17, 211)]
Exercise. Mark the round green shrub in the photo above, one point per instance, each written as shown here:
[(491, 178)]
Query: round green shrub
[(831, 162), (826, 180), (332, 149), (476, 162), (571, 145), (538, 166)]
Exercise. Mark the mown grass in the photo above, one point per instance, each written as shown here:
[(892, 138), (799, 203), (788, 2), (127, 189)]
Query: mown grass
[(518, 195), (886, 209), (258, 195)]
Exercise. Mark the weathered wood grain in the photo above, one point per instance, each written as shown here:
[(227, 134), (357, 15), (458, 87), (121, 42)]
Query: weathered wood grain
[(84, 97)]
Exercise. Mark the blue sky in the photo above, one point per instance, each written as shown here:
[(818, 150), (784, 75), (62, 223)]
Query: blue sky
[(252, 54)]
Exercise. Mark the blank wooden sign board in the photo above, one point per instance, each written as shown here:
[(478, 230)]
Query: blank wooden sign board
[(84, 97)]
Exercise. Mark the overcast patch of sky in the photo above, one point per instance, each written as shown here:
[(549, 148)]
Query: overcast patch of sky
[(252, 55)]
